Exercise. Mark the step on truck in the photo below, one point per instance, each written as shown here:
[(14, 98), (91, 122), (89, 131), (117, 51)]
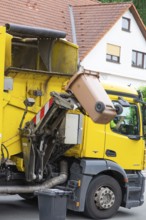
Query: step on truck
[(59, 128)]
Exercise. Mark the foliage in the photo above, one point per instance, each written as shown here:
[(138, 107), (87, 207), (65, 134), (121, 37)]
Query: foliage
[(143, 91)]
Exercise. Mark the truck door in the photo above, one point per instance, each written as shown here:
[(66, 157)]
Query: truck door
[(123, 142)]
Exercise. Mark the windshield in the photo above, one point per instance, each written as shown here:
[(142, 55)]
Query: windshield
[(126, 123), (144, 119)]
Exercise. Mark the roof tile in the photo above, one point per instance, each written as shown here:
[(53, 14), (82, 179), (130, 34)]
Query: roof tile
[(92, 22), (42, 13), (92, 18)]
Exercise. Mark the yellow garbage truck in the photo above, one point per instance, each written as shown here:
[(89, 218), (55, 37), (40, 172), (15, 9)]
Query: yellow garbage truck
[(55, 132)]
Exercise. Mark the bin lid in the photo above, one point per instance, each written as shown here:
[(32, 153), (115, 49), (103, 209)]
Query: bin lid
[(53, 192), (78, 74)]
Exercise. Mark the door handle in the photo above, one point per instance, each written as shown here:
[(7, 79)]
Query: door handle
[(110, 153)]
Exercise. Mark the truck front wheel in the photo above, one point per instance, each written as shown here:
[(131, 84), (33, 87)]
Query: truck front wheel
[(103, 197)]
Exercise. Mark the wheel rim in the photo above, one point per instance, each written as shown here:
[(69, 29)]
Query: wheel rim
[(104, 198)]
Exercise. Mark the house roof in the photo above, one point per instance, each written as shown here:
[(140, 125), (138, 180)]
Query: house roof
[(41, 13), (92, 22), (93, 19)]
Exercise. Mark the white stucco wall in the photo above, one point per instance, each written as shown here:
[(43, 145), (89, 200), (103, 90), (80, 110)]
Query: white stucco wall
[(122, 72)]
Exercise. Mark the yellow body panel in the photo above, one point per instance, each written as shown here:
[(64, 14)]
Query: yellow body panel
[(8, 48), (2, 61), (120, 89), (91, 144), (145, 158), (14, 109), (129, 153), (64, 57)]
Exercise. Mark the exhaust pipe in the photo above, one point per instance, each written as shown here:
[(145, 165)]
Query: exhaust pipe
[(33, 32), (46, 185)]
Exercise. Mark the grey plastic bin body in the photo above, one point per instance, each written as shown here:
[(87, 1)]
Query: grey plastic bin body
[(89, 92), (52, 204)]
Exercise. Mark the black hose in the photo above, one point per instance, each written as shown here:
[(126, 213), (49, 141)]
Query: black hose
[(62, 178), (33, 32), (3, 146)]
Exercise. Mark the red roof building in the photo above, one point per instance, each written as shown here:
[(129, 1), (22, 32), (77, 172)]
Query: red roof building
[(88, 23)]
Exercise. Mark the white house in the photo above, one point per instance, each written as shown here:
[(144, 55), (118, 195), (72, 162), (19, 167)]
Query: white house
[(118, 48)]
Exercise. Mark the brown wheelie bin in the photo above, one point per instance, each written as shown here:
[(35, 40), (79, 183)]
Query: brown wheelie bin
[(91, 95)]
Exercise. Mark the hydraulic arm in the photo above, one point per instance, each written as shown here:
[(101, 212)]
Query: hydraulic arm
[(41, 142)]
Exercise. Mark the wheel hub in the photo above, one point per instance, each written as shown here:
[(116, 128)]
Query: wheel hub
[(104, 198)]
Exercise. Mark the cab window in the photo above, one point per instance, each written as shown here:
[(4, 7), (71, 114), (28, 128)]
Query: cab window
[(126, 123)]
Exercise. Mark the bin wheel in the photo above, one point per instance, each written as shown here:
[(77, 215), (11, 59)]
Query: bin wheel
[(99, 107), (119, 109), (103, 197)]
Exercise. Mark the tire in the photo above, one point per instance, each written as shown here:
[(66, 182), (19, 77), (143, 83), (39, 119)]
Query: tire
[(99, 107), (103, 197)]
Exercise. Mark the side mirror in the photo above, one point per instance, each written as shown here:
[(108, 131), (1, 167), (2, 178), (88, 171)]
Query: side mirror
[(134, 137), (144, 114)]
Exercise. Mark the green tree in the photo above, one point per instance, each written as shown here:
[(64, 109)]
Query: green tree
[(143, 91)]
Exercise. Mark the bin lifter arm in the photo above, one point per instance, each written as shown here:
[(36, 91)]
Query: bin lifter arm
[(40, 141)]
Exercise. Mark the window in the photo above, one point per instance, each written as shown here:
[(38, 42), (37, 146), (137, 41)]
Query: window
[(138, 59), (113, 53), (125, 24), (126, 123)]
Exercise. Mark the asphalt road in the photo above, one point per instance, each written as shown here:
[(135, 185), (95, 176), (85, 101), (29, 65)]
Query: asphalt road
[(14, 207)]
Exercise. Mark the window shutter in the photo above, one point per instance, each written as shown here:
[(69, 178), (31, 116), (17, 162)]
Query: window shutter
[(113, 50)]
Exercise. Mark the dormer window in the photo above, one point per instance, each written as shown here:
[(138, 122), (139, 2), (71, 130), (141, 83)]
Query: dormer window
[(125, 24)]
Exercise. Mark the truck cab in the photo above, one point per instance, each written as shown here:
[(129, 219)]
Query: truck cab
[(127, 141), (116, 144), (109, 151)]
